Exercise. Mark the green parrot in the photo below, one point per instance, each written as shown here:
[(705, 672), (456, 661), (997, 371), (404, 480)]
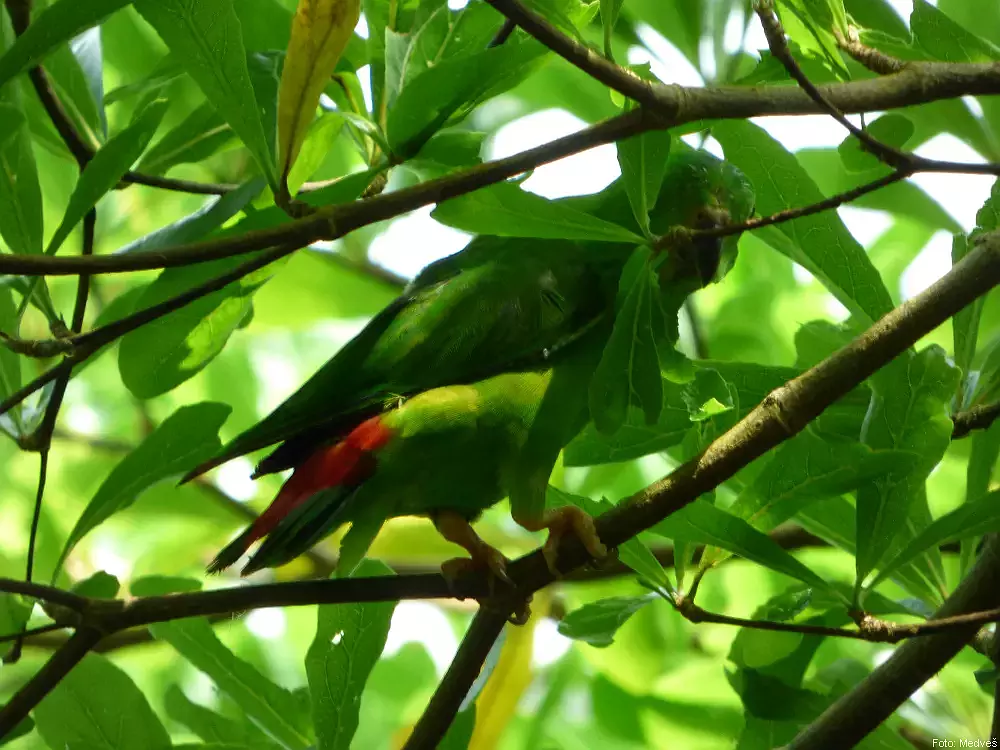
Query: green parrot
[(464, 390)]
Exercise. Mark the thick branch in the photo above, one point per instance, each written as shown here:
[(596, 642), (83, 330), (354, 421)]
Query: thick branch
[(782, 414), (465, 667), (917, 84), (873, 701)]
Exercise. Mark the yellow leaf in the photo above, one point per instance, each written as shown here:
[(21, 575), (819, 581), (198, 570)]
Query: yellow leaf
[(320, 31), (512, 675)]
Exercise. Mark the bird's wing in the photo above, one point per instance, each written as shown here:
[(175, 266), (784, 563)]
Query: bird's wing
[(494, 307)]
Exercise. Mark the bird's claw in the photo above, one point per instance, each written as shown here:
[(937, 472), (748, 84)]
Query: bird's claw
[(564, 521), (490, 559)]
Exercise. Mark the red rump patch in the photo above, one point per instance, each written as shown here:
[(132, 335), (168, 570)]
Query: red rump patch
[(346, 463)]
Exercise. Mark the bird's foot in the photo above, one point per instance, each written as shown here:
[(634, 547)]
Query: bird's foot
[(495, 563), (482, 556), (563, 521), (487, 559)]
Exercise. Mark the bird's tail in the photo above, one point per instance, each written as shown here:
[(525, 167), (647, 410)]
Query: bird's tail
[(327, 478)]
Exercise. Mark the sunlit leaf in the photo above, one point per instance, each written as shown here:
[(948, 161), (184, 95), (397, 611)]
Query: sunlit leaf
[(349, 640), (187, 437), (206, 39), (98, 705)]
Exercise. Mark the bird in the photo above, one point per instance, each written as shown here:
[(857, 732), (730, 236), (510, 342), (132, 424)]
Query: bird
[(464, 389)]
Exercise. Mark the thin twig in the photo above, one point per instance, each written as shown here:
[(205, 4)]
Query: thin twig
[(977, 418), (917, 84), (42, 682), (40, 630), (781, 415), (876, 698), (778, 45), (464, 669), (178, 186), (595, 65), (86, 345), (873, 59), (45, 593)]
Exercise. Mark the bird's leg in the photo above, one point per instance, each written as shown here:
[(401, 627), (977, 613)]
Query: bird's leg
[(559, 522), (457, 529)]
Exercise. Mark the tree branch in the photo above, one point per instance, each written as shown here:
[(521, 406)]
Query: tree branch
[(42, 682), (977, 418), (857, 713), (465, 667), (781, 415), (677, 105)]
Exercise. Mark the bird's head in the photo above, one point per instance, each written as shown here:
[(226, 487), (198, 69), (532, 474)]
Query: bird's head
[(699, 192)]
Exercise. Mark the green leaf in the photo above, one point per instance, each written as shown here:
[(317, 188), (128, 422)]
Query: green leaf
[(909, 412), (349, 640), (80, 98), (184, 439), (821, 242), (10, 363), (104, 171), (198, 136), (55, 25), (810, 467), (444, 34), (810, 24), (704, 397), (643, 161), (460, 732), (701, 522), (212, 727), (452, 87), (944, 39), (629, 371), (973, 519), (965, 324), (161, 355), (272, 708), (14, 613), (20, 194), (97, 705), (597, 623), (26, 726), (203, 221), (206, 39), (891, 129), (609, 17), (101, 585), (505, 210)]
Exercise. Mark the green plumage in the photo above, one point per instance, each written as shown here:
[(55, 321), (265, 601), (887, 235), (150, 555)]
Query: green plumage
[(480, 370)]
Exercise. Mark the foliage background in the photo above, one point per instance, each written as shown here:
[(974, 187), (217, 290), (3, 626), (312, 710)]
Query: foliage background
[(663, 682)]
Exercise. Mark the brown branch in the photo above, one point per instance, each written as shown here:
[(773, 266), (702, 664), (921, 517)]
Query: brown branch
[(917, 84), (41, 439), (874, 700), (29, 632), (463, 671), (781, 415), (872, 629), (873, 59), (778, 45), (177, 185), (595, 65), (45, 593), (42, 682), (86, 345), (979, 417)]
